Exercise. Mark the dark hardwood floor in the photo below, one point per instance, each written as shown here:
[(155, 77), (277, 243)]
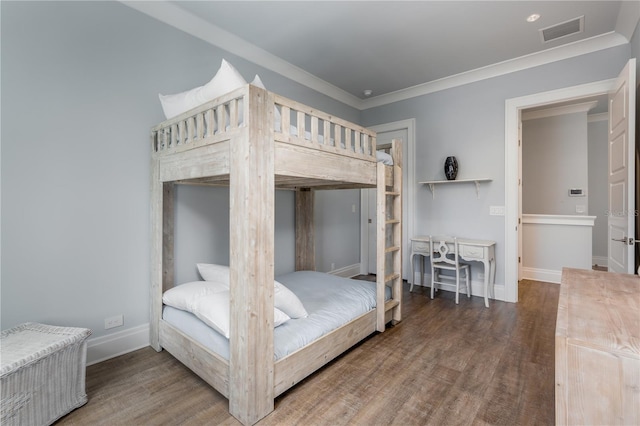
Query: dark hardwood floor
[(444, 364)]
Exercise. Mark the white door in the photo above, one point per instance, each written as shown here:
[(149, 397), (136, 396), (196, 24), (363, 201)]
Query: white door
[(621, 214), (382, 139), (519, 195)]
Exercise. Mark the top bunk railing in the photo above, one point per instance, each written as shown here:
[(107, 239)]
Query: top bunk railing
[(292, 122), (302, 125)]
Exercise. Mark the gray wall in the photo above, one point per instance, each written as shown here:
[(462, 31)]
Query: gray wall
[(554, 159), (598, 187), (79, 87), (469, 122)]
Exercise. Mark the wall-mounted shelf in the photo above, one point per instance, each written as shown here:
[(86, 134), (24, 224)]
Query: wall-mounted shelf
[(432, 184)]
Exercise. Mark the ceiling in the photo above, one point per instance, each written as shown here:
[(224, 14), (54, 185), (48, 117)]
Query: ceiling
[(393, 47)]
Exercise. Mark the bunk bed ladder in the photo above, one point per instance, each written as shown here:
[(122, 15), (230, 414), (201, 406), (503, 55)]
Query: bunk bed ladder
[(389, 224)]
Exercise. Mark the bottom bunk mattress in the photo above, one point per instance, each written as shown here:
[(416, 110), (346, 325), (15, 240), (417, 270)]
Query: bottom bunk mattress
[(330, 301)]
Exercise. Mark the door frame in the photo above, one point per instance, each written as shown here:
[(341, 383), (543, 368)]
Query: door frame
[(407, 214), (513, 108)]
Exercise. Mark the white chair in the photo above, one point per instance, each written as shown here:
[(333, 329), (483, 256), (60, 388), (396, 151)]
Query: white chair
[(442, 257)]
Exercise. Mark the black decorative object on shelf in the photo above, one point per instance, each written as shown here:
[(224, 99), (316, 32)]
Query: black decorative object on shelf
[(451, 168)]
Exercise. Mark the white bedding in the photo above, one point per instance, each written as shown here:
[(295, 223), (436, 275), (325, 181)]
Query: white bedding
[(330, 300)]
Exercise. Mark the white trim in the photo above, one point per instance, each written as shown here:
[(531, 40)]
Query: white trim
[(561, 110), (175, 16), (545, 275), (408, 215), (559, 219), (115, 344), (347, 271), (592, 118), (477, 287), (600, 261), (512, 117), (559, 53)]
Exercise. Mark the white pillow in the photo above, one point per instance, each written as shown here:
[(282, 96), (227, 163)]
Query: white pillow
[(227, 79), (186, 295), (384, 158), (287, 301), (209, 302), (215, 273), (213, 310), (283, 298), (258, 82)]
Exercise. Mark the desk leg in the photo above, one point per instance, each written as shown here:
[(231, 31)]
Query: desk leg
[(412, 275), (422, 271), (487, 274)]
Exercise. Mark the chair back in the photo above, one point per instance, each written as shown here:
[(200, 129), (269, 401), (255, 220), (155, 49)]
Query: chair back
[(444, 250)]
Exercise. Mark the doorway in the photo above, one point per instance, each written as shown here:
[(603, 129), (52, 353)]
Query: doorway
[(513, 111), (405, 130), (564, 196)]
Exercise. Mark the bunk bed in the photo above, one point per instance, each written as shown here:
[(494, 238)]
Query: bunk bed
[(255, 141)]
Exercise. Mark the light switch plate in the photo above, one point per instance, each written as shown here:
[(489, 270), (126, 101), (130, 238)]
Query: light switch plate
[(496, 210)]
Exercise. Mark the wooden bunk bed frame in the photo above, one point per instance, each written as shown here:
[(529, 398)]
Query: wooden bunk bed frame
[(236, 140)]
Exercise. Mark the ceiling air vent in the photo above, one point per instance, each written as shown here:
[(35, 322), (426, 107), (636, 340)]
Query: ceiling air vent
[(563, 29)]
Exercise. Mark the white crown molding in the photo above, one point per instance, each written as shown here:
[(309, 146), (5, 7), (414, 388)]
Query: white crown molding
[(548, 56), (561, 110), (183, 20)]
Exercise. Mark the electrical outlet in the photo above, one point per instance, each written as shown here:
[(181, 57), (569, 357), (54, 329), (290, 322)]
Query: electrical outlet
[(113, 322)]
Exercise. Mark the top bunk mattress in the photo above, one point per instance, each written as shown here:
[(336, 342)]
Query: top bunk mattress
[(331, 302)]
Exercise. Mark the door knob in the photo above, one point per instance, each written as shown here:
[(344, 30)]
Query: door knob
[(626, 240)]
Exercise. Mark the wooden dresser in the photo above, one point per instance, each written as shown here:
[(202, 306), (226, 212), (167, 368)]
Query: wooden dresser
[(598, 349)]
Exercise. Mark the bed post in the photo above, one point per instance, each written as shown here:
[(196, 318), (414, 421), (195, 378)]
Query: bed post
[(381, 246), (161, 248), (252, 194), (305, 232)]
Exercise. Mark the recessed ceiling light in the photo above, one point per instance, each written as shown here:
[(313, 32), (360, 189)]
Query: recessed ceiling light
[(368, 92), (533, 17)]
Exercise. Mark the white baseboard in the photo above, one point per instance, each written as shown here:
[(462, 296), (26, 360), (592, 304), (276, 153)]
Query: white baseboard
[(347, 271), (545, 275), (116, 344), (600, 261), (477, 287)]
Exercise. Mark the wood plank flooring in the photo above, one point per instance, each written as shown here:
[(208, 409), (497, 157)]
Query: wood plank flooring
[(444, 364)]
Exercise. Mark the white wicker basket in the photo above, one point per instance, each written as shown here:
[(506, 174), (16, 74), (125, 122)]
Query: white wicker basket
[(42, 373)]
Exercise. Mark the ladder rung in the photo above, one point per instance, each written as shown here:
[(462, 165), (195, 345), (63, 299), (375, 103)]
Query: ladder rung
[(392, 249), (391, 277), (393, 193), (390, 304), (392, 221)]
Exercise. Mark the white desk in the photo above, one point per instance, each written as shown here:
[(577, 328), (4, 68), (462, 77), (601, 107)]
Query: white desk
[(470, 250)]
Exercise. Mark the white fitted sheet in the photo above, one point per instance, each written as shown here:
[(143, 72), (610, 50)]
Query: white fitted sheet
[(330, 300)]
